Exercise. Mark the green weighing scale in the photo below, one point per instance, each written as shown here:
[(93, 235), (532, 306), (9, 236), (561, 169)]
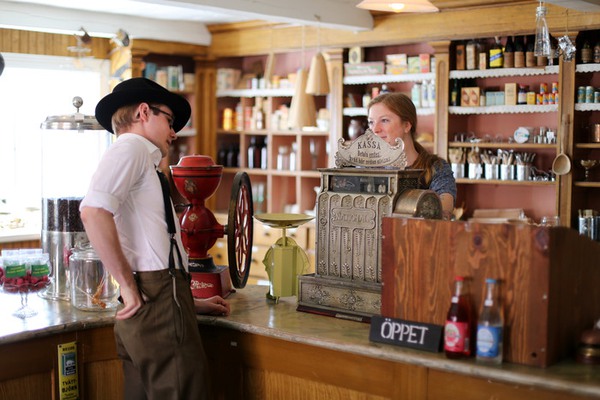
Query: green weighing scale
[(285, 260)]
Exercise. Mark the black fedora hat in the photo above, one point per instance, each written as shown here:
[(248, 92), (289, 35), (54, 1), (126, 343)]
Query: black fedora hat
[(142, 90)]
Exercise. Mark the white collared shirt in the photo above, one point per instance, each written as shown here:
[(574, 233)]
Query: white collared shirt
[(127, 185)]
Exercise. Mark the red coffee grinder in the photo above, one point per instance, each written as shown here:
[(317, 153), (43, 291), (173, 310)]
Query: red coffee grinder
[(197, 178)]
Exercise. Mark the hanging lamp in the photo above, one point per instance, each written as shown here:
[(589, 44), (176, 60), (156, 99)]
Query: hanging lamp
[(302, 109), (398, 6), (318, 81)]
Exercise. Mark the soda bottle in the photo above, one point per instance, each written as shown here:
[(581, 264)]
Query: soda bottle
[(457, 330), (490, 327)]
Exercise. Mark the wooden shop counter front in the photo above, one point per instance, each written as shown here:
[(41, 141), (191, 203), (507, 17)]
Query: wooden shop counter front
[(270, 351)]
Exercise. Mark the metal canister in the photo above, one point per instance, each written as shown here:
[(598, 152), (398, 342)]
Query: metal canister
[(589, 94), (597, 96), (581, 94), (543, 88), (554, 87)]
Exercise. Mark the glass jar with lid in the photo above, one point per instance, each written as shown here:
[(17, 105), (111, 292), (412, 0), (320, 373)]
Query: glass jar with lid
[(92, 287), (72, 146)]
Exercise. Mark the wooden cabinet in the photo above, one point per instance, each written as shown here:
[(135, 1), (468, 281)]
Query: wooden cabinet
[(178, 67), (30, 369), (512, 139), (252, 136), (584, 193)]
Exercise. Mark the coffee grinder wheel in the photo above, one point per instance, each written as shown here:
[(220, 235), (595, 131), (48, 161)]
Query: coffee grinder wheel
[(240, 229)]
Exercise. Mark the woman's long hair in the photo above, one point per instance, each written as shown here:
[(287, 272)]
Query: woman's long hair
[(401, 105)]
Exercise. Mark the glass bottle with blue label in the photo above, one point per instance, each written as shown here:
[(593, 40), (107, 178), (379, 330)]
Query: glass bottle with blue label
[(490, 327)]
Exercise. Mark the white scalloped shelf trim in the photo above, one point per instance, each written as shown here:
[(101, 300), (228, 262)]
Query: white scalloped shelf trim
[(500, 72), (504, 109), (387, 78), (287, 92), (587, 106), (362, 112), (587, 68)]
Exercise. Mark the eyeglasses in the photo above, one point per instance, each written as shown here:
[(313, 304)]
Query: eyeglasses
[(170, 117)]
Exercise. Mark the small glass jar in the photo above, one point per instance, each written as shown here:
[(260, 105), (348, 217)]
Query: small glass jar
[(92, 287)]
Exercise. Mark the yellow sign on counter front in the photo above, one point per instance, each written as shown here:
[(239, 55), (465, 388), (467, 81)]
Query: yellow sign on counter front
[(68, 384)]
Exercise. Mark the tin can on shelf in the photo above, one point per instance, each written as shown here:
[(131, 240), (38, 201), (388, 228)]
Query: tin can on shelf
[(589, 94), (581, 94)]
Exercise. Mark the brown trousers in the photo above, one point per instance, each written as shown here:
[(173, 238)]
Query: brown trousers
[(160, 346)]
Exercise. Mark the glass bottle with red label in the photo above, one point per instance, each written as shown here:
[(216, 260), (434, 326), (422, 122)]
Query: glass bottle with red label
[(457, 330)]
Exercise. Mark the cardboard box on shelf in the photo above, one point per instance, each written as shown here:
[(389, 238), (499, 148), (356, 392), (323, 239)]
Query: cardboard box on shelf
[(396, 59), (510, 94), (414, 65), (364, 68), (425, 63), (469, 97), (396, 69)]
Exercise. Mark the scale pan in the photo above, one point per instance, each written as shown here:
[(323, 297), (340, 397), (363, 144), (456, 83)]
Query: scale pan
[(283, 220)]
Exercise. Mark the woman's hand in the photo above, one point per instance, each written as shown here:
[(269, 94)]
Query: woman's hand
[(215, 305)]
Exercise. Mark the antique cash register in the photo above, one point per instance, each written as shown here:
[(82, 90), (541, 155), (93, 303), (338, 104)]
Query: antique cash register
[(370, 181)]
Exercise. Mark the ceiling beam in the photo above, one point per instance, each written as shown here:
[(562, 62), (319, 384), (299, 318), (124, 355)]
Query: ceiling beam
[(68, 21)]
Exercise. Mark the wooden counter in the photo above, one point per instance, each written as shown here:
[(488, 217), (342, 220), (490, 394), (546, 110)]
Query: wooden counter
[(271, 351)]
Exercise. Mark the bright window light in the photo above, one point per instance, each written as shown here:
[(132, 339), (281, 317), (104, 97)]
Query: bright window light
[(33, 87)]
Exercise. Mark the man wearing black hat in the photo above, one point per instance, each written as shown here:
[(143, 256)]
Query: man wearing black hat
[(125, 217)]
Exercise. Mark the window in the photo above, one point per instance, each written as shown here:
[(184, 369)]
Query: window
[(32, 88)]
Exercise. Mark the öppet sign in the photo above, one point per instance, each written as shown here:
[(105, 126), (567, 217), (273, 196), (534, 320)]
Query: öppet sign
[(403, 333)]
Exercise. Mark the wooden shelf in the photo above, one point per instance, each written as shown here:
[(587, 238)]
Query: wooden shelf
[(503, 145), (504, 182), (587, 184), (362, 111), (544, 108), (504, 72), (587, 106), (587, 145), (281, 92), (387, 78)]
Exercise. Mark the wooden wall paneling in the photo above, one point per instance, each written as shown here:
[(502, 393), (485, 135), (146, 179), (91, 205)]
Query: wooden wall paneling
[(458, 24), (276, 369), (29, 367), (444, 385), (544, 273), (335, 69), (30, 42), (566, 112), (103, 380), (31, 387), (442, 72), (206, 117), (26, 244)]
